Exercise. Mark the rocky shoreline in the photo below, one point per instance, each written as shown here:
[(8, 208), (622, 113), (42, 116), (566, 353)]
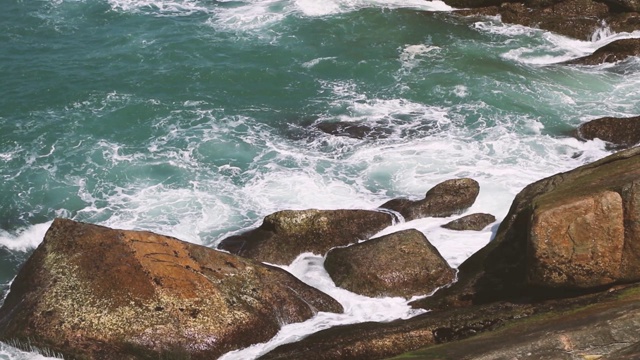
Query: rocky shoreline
[(560, 280)]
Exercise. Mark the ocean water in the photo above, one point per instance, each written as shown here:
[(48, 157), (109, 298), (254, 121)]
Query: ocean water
[(197, 118)]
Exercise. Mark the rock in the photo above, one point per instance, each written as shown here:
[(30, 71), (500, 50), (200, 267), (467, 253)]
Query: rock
[(474, 222), (613, 52), (574, 18), (624, 5), (399, 264), (598, 323), (353, 130), (598, 331), (92, 292), (619, 132), (286, 234), (566, 234), (445, 199)]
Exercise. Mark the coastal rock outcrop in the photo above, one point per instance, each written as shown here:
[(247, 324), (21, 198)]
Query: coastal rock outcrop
[(615, 51), (399, 264), (618, 132), (569, 233), (93, 292), (475, 222), (445, 199), (579, 19), (286, 234), (595, 324)]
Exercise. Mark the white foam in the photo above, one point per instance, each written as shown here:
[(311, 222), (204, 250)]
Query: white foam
[(311, 63), (9, 352), (159, 7), (25, 239), (412, 55)]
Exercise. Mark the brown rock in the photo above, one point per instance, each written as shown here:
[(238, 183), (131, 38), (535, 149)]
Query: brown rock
[(93, 292), (613, 52), (286, 234), (598, 324), (399, 264), (571, 232), (445, 199), (474, 222), (620, 132), (577, 242), (602, 329)]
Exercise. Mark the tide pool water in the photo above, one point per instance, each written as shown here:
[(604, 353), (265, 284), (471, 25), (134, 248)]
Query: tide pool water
[(197, 118)]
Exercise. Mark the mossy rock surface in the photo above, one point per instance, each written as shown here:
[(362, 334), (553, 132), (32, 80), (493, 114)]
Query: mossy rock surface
[(90, 292)]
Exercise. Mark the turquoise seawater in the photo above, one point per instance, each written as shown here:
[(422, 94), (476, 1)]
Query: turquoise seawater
[(197, 118)]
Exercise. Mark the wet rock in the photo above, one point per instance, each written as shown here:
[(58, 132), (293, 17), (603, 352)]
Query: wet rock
[(399, 264), (474, 222), (579, 19), (92, 292), (286, 234), (624, 5), (613, 52), (619, 132), (569, 233), (559, 329), (597, 331), (353, 130), (445, 199)]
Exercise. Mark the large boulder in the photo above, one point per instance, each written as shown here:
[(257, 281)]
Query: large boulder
[(286, 234), (569, 233), (445, 199), (400, 264), (613, 52), (595, 324), (618, 132), (475, 222), (90, 292)]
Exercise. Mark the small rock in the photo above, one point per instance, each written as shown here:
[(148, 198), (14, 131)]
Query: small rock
[(286, 234), (445, 199), (399, 264), (613, 52), (619, 132), (474, 222)]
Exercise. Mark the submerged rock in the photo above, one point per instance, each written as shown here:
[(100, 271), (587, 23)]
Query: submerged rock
[(445, 199), (93, 292), (399, 264), (474, 222), (569, 233), (619, 132), (353, 130), (613, 52), (286, 234)]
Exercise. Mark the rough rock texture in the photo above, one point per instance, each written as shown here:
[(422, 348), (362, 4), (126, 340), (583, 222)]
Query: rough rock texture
[(598, 323), (90, 292), (568, 233), (399, 264), (286, 234), (474, 222), (619, 132), (353, 130), (585, 332), (615, 51), (445, 199), (579, 19)]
